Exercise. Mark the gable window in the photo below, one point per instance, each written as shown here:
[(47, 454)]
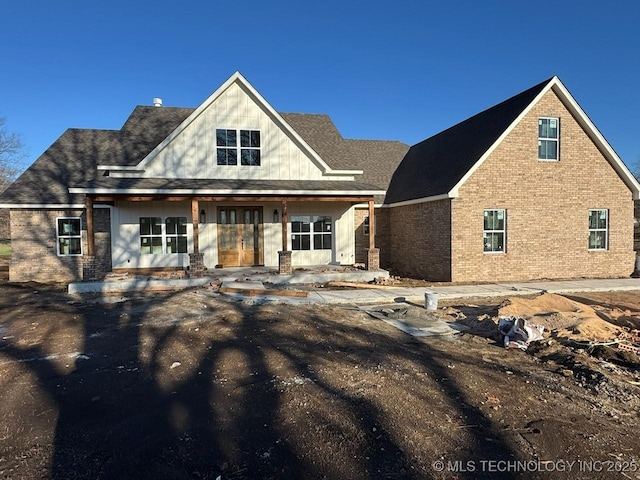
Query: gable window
[(598, 229), (158, 237), (250, 147), (227, 147), (311, 233), (227, 143), (494, 232), (548, 138), (69, 236)]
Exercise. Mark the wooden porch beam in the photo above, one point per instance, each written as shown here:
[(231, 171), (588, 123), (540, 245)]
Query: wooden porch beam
[(91, 237), (234, 198)]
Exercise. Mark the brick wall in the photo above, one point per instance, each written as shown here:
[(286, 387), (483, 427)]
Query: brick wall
[(33, 242), (361, 239), (420, 240), (547, 207), (383, 240)]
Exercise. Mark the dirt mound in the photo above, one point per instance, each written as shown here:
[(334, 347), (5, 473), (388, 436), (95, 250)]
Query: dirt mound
[(563, 317)]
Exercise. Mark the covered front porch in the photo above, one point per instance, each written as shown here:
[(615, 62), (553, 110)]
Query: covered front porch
[(218, 232)]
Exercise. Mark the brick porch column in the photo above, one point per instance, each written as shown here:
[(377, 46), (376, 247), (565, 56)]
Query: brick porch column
[(90, 268), (373, 259), (196, 265), (284, 263)]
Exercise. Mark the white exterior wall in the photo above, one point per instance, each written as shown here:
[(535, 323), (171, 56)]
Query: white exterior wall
[(125, 239), (192, 154), (126, 233)]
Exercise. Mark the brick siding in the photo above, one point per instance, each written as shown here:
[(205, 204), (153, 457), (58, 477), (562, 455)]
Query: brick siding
[(547, 205), (33, 242), (420, 240)]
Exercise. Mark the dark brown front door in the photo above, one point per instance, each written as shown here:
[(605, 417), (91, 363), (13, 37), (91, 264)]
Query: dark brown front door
[(240, 237)]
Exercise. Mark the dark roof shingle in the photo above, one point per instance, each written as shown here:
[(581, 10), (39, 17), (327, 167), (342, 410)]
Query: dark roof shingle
[(435, 165)]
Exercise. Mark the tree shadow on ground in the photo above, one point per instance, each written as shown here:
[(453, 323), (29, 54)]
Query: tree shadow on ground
[(244, 391)]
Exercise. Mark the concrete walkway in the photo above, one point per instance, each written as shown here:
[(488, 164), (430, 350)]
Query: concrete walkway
[(362, 296)]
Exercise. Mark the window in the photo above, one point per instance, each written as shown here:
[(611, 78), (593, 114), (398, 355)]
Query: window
[(158, 237), (548, 138), (365, 225), (69, 233), (227, 144), (227, 147), (311, 233), (598, 229), (250, 147), (494, 234)]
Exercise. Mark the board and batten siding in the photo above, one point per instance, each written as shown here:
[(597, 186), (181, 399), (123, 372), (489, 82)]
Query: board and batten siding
[(192, 154), (126, 233)]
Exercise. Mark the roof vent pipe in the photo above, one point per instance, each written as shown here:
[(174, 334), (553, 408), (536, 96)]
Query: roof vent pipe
[(157, 102)]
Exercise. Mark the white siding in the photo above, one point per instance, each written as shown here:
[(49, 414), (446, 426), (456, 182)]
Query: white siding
[(126, 233), (192, 154)]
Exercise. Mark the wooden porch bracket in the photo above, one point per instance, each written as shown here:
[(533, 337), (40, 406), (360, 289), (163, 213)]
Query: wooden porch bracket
[(91, 237)]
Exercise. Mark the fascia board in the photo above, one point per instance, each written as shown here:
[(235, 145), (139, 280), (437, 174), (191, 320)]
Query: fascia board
[(47, 206), (416, 201), (203, 192)]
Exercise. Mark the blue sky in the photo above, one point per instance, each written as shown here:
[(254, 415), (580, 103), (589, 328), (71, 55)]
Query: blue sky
[(401, 70)]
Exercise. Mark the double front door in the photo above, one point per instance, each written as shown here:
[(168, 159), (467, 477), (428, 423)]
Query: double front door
[(240, 237)]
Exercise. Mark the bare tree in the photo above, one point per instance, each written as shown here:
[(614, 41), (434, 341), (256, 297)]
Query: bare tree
[(11, 156)]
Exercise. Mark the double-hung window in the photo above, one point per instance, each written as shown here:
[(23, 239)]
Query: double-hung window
[(311, 233), (548, 138), (158, 237), (69, 234), (228, 150), (494, 234), (598, 229)]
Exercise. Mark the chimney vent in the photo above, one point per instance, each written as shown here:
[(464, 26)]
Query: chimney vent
[(157, 102)]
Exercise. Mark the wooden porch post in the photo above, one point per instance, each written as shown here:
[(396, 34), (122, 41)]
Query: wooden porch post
[(195, 212), (372, 225), (91, 238), (285, 221), (284, 256)]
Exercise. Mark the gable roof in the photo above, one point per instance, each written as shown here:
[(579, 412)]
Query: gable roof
[(80, 157), (377, 159), (436, 167)]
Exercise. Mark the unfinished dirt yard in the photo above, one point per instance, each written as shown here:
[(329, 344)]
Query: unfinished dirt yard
[(193, 385)]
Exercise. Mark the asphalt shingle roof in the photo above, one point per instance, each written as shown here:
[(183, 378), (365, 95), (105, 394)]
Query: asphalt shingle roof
[(435, 165), (73, 159)]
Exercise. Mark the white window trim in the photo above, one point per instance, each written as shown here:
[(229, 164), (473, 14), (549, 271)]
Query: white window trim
[(605, 230), (550, 139), (311, 233), (164, 235), (503, 231), (238, 147), (58, 237)]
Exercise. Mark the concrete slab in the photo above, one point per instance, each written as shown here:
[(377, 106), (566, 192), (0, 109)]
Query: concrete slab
[(137, 284)]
